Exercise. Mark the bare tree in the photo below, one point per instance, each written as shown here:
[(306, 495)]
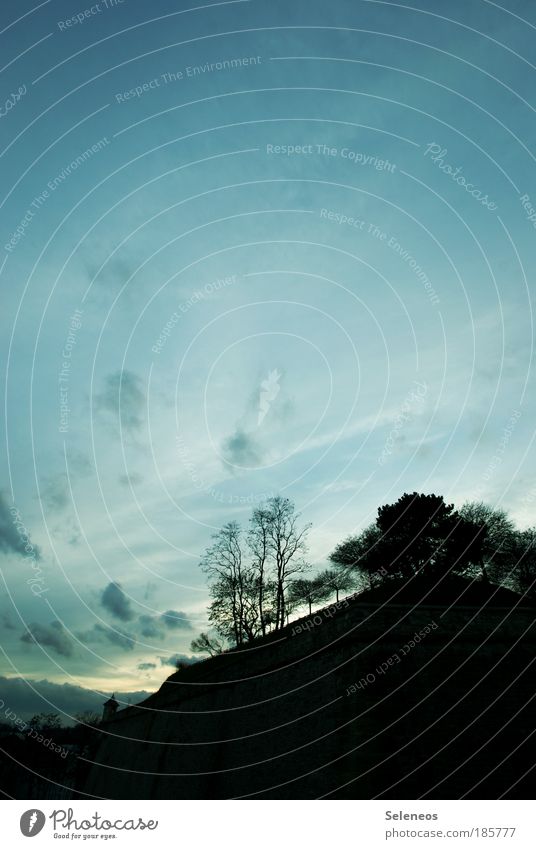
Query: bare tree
[(287, 547), (233, 610), (88, 717), (259, 546), (249, 584)]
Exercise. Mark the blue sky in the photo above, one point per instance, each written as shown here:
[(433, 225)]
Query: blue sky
[(248, 248)]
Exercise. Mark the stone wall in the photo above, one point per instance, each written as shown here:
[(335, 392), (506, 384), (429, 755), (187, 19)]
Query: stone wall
[(282, 719)]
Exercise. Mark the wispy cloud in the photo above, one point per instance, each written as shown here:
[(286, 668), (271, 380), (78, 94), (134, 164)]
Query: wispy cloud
[(55, 493), (122, 402)]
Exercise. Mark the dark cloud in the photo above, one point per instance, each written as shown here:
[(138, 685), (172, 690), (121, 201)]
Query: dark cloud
[(178, 658), (54, 636), (123, 399), (241, 449), (116, 602), (144, 666), (149, 627), (14, 536), (175, 620), (26, 698), (104, 634)]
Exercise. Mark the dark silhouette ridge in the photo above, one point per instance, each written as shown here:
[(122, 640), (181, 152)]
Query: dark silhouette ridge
[(323, 707)]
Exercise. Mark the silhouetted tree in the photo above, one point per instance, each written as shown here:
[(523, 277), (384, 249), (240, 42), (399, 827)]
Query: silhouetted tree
[(418, 534), (287, 547), (308, 591), (88, 717), (233, 609), (338, 580), (423, 535), (524, 571), (45, 722), (362, 554), (249, 583), (499, 543), (259, 545)]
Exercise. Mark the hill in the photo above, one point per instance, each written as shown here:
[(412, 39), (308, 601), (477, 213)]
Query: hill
[(399, 692)]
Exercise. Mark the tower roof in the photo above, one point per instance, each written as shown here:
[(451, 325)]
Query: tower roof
[(112, 701)]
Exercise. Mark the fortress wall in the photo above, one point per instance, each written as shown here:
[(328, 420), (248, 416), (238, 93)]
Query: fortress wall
[(277, 721)]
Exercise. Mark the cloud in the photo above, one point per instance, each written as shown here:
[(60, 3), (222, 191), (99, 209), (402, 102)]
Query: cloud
[(103, 633), (73, 532), (123, 400), (175, 620), (7, 622), (144, 666), (79, 464), (132, 479), (47, 697), (68, 530), (114, 274), (149, 627), (116, 602), (14, 537), (54, 636), (241, 449), (178, 658)]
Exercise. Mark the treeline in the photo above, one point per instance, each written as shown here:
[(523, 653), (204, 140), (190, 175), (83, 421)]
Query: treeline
[(258, 577), (45, 723), (42, 753)]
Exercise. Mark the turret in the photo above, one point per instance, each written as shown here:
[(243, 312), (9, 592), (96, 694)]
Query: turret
[(110, 708)]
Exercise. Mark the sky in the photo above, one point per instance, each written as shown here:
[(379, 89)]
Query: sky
[(248, 248)]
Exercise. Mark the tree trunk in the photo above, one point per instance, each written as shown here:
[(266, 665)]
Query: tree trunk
[(282, 607), (261, 599)]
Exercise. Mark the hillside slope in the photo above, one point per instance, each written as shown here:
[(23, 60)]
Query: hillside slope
[(347, 703)]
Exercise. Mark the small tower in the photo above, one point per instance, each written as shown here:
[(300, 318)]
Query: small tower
[(110, 708)]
